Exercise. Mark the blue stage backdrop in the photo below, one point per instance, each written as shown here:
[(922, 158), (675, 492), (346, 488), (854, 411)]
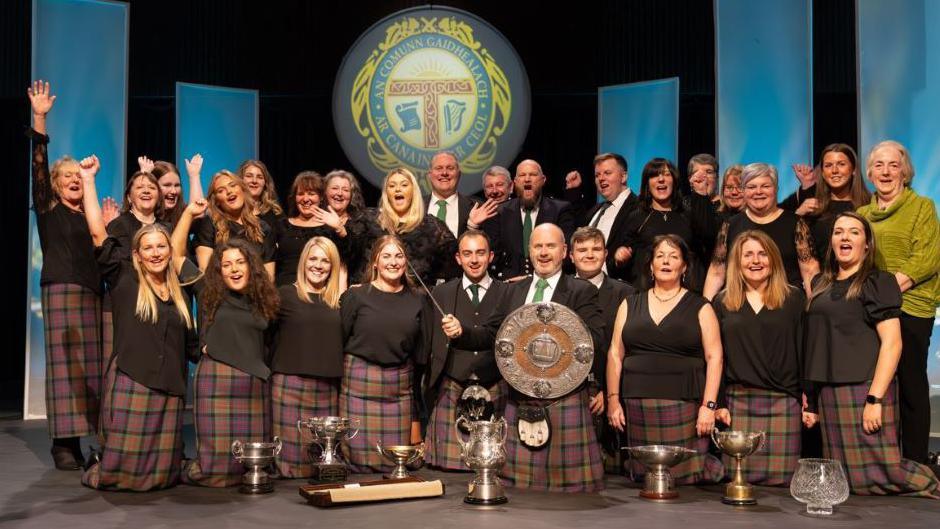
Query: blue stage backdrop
[(218, 122), (639, 121), (898, 95), (764, 84), (80, 47)]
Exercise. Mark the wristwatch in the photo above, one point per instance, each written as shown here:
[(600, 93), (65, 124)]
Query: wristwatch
[(871, 399), (712, 405)]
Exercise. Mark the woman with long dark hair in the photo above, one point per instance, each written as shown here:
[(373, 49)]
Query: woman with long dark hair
[(853, 344)]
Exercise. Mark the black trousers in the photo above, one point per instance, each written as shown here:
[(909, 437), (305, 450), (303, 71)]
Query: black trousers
[(913, 388)]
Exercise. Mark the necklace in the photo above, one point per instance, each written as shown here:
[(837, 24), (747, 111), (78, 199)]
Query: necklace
[(667, 300)]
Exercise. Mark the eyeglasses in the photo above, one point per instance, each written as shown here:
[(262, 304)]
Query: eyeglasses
[(733, 188)]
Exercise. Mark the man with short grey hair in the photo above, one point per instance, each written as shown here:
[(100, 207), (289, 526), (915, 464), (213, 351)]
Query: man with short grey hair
[(497, 184)]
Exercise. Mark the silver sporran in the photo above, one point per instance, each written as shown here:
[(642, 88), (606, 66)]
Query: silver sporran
[(484, 453), (328, 432), (256, 456)]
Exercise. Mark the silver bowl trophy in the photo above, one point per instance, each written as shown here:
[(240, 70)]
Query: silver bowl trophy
[(658, 459), (485, 454), (327, 433), (820, 484), (256, 456), (738, 445), (401, 456)]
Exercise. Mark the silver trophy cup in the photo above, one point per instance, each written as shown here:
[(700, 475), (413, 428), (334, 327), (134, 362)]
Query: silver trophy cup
[(484, 453), (738, 445), (256, 456), (328, 433), (401, 456), (658, 459)]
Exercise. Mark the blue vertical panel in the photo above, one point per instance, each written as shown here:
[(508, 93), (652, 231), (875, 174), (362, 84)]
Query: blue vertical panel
[(764, 84), (639, 121), (898, 95), (80, 47), (218, 122)]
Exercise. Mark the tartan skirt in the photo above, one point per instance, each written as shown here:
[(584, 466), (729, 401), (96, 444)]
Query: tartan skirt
[(671, 422), (780, 416), (71, 317), (381, 398), (571, 462), (107, 339), (228, 405), (295, 397), (442, 449), (144, 447), (873, 461), (104, 417)]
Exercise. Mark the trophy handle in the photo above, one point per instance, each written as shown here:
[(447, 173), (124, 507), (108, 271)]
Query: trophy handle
[(277, 445), (353, 427), (715, 438), (237, 448), (463, 444), (763, 440)]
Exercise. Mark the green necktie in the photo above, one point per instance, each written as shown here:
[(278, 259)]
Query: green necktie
[(526, 232), (474, 294), (540, 287), (442, 210)]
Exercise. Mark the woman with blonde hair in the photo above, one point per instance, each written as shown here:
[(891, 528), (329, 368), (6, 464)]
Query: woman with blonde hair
[(387, 337), (231, 215), (308, 352), (153, 330), (430, 245), (261, 188), (761, 316)]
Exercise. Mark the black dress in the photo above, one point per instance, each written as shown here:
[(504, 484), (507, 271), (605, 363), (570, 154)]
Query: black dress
[(430, 247), (291, 239), (788, 231), (821, 226)]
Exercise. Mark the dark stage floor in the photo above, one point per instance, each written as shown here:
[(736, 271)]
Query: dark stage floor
[(34, 494)]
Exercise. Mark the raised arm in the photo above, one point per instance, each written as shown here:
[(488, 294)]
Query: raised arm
[(193, 170), (41, 100), (88, 168), (180, 238)]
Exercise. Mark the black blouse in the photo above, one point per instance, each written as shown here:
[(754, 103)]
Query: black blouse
[(386, 328), (430, 247), (68, 253), (842, 343), (236, 335), (788, 231), (291, 239), (309, 337), (821, 227), (205, 236), (152, 354), (763, 350), (665, 361)]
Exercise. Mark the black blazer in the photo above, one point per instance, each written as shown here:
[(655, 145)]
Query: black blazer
[(446, 295), (464, 205), (617, 233), (609, 297), (505, 233)]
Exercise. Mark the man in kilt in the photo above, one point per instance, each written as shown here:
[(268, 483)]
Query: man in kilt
[(570, 461), (471, 298)]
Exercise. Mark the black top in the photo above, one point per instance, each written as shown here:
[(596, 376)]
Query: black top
[(386, 328), (236, 335), (68, 253), (609, 296), (841, 340), (152, 354), (665, 361), (430, 247), (359, 237), (821, 226), (788, 231), (291, 239), (205, 236), (271, 218), (123, 228), (763, 350), (309, 337)]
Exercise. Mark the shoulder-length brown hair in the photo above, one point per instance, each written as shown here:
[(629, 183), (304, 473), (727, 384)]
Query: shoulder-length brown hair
[(380, 243), (261, 292), (859, 192), (304, 182), (830, 268), (735, 286), (246, 217), (129, 186), (172, 215), (334, 286), (268, 201)]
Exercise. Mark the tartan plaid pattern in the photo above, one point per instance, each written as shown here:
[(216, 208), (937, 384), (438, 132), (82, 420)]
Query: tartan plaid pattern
[(107, 340), (293, 398), (104, 416), (381, 398), (72, 324), (443, 451), (780, 416), (572, 460), (873, 462), (671, 422), (144, 448), (228, 404)]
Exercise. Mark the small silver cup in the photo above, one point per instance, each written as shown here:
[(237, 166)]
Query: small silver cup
[(256, 456)]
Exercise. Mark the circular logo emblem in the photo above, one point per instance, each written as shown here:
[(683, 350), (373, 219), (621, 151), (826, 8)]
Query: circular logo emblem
[(425, 80)]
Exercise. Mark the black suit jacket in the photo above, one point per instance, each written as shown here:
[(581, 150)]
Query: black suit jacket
[(609, 296), (446, 295), (505, 233), (464, 205), (617, 235)]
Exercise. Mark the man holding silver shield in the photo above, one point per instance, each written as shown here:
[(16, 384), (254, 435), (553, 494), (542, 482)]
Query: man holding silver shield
[(551, 443)]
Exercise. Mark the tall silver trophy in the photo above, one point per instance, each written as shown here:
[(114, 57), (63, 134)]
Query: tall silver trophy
[(483, 452), (328, 433), (256, 456)]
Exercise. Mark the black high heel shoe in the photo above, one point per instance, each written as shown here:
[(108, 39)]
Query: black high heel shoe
[(94, 457), (64, 458)]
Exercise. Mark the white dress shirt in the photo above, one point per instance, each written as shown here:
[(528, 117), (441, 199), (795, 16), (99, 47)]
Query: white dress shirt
[(606, 221), (549, 290), (452, 219), (484, 286)]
